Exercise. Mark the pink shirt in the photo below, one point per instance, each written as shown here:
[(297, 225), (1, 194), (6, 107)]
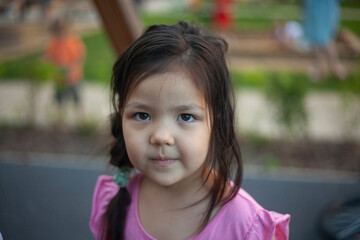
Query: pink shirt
[(241, 218)]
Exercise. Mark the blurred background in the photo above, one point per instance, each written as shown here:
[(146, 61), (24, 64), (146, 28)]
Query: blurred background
[(296, 71)]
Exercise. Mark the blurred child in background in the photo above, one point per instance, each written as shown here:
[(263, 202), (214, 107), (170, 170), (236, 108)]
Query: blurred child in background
[(321, 23), (67, 52)]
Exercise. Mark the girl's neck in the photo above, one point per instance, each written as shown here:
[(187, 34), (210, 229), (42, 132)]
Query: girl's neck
[(179, 209), (180, 195)]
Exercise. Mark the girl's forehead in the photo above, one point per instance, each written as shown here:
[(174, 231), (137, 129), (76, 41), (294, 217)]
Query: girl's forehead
[(171, 81), (168, 91), (167, 83)]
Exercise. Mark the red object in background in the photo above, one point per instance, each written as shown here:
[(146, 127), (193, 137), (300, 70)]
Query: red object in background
[(223, 18)]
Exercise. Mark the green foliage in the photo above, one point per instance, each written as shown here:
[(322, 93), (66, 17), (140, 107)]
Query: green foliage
[(350, 4), (87, 127), (354, 26), (352, 84), (351, 101), (251, 78), (30, 67), (258, 78), (172, 18), (271, 162), (261, 16), (99, 59), (2, 71), (19, 67), (39, 71), (287, 96), (179, 13), (256, 140)]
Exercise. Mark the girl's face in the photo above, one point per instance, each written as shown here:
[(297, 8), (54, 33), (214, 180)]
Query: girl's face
[(166, 128)]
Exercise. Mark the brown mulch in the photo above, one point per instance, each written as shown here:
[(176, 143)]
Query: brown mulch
[(342, 156), (330, 155), (54, 140)]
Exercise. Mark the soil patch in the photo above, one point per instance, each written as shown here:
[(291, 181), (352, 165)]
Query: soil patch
[(54, 140), (339, 156), (342, 156)]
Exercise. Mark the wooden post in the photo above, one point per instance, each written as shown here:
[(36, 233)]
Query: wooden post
[(120, 22)]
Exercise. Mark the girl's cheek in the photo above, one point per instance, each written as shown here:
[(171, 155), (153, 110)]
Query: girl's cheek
[(133, 145)]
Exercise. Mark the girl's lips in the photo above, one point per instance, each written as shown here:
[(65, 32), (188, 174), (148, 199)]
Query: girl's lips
[(163, 162)]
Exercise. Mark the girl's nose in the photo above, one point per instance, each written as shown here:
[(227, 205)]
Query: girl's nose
[(162, 136)]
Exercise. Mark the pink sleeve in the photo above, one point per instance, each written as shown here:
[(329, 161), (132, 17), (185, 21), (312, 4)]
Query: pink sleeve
[(269, 226), (105, 190)]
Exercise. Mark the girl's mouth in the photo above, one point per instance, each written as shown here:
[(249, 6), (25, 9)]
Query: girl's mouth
[(163, 162)]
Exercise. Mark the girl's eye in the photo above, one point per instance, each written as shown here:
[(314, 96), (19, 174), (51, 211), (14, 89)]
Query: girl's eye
[(186, 117), (142, 116)]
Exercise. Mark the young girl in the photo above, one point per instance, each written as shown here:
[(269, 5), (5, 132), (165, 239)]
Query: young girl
[(174, 123)]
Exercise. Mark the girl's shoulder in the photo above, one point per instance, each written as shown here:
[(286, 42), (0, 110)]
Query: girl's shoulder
[(263, 224), (247, 219), (105, 190)]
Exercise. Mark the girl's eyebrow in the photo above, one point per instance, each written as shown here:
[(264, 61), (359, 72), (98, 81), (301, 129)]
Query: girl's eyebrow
[(184, 107), (138, 105), (188, 107)]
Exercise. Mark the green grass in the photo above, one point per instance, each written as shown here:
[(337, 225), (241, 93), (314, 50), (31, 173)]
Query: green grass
[(17, 68), (257, 79), (351, 4), (100, 58), (173, 18), (267, 10), (354, 26)]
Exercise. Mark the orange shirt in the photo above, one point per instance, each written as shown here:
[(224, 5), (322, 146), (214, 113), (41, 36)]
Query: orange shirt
[(67, 52)]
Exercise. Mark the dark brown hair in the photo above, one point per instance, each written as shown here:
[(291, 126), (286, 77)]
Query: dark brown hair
[(202, 57)]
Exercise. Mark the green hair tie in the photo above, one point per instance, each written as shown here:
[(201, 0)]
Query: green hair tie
[(122, 177)]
